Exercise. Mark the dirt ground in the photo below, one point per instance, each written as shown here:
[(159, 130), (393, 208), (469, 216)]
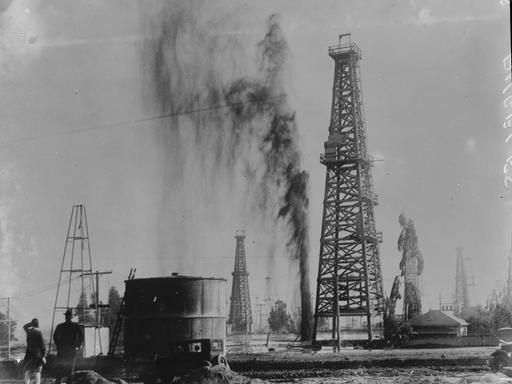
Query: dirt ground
[(349, 358), (361, 376), (406, 376), (286, 361), (328, 354)]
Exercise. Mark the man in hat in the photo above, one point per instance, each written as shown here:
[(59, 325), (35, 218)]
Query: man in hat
[(68, 337), (34, 355)]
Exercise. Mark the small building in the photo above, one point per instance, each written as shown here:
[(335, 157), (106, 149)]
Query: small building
[(439, 323)]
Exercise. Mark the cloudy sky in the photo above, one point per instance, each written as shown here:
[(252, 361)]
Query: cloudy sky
[(74, 87)]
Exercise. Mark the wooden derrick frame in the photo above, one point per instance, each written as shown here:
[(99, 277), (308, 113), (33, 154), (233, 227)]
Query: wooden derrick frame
[(349, 274)]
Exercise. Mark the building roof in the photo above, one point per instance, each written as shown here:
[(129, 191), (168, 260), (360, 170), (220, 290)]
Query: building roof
[(436, 318)]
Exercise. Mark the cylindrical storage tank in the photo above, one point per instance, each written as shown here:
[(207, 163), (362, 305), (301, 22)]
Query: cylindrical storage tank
[(175, 316)]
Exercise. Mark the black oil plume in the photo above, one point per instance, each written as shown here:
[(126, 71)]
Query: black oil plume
[(194, 65), (279, 145)]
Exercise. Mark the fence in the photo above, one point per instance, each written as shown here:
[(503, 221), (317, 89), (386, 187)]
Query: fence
[(453, 341)]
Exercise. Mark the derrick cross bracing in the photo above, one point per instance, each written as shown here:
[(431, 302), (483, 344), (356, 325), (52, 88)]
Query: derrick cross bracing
[(240, 316), (349, 274)]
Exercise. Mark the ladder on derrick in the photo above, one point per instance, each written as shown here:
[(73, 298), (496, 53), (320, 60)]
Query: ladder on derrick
[(119, 320)]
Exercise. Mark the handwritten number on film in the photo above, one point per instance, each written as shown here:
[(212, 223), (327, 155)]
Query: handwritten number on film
[(507, 103)]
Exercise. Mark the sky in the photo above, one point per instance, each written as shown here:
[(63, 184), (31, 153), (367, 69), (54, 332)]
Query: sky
[(75, 85)]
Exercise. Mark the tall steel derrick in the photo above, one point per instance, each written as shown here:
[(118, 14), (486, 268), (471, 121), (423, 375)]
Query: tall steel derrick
[(461, 285), (240, 316), (349, 275)]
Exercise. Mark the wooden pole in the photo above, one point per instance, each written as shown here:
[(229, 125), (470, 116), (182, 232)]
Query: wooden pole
[(8, 328)]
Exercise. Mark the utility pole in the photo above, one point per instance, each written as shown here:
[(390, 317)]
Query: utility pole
[(8, 328), (98, 306)]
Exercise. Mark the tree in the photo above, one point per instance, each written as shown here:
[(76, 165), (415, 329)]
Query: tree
[(479, 322), (279, 320), (83, 311), (391, 325), (412, 300), (501, 316), (114, 305), (485, 321), (408, 245), (4, 329)]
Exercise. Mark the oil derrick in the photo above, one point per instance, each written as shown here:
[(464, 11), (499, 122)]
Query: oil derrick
[(461, 285), (76, 275), (349, 277), (240, 316)]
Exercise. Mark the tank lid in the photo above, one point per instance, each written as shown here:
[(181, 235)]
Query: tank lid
[(176, 276)]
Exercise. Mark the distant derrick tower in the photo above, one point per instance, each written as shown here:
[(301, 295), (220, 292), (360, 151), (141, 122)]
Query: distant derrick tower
[(461, 285), (240, 316), (349, 275)]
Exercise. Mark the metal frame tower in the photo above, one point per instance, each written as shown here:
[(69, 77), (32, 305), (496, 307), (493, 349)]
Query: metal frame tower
[(240, 316), (461, 284), (76, 270), (349, 275)]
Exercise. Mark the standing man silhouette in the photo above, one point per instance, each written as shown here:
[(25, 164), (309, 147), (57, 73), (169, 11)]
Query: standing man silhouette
[(34, 355), (69, 338)]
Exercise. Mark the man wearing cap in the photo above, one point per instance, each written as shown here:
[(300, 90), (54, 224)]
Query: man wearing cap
[(34, 355), (68, 337)]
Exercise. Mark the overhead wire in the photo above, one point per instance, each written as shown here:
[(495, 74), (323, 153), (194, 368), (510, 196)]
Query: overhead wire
[(141, 120), (168, 257), (46, 288)]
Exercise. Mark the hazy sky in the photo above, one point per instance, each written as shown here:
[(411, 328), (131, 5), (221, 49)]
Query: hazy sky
[(73, 84)]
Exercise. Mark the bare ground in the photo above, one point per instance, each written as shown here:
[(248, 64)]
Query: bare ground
[(289, 362)]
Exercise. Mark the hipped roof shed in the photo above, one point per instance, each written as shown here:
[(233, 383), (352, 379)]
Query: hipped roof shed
[(436, 318)]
